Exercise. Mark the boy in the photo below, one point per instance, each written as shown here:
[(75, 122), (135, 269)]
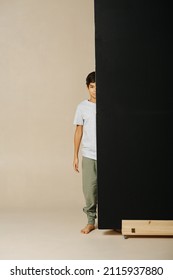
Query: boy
[(85, 121)]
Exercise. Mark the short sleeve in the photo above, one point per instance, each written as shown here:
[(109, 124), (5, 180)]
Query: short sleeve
[(78, 119)]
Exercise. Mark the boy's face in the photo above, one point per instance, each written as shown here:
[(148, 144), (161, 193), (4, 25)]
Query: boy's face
[(92, 91)]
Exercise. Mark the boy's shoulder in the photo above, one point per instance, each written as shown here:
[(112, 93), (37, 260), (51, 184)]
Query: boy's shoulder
[(82, 104), (86, 105)]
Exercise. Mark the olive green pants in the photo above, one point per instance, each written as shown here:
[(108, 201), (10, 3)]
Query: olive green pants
[(89, 181)]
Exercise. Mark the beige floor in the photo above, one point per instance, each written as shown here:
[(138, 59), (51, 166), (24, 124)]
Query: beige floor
[(56, 235)]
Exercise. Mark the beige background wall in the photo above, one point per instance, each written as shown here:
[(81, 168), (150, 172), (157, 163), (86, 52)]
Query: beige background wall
[(46, 52)]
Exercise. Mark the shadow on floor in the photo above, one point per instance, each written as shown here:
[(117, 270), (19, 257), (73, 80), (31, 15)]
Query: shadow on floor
[(117, 232), (113, 232)]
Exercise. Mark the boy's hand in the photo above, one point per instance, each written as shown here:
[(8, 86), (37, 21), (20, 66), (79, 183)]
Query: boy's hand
[(76, 164)]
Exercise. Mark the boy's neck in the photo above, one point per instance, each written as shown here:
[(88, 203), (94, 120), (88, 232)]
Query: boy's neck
[(92, 100)]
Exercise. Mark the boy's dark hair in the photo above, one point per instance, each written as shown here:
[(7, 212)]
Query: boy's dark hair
[(90, 78)]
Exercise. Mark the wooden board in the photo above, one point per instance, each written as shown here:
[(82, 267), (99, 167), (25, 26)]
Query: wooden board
[(147, 227)]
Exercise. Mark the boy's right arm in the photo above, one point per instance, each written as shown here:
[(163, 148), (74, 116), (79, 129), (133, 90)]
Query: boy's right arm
[(77, 140)]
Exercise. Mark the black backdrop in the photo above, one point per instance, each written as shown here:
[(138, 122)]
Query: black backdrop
[(134, 110)]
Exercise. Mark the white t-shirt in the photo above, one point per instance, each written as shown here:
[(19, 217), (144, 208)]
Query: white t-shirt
[(86, 115)]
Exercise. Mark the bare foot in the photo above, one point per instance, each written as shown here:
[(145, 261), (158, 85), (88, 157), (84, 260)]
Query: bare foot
[(87, 229)]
